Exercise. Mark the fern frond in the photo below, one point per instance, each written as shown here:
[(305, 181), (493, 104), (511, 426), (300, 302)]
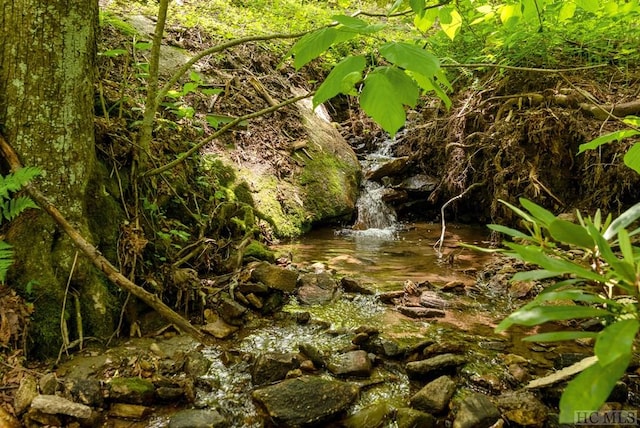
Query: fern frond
[(13, 207), (15, 181), (6, 259)]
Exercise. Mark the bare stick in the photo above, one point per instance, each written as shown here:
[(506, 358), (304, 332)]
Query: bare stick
[(440, 241)]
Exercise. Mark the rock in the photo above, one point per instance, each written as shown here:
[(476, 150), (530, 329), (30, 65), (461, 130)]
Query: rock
[(272, 366), (275, 277), (373, 416), (196, 364), (313, 354), (523, 408), (170, 394), (430, 299), (252, 288), (389, 296), (317, 289), (36, 418), (568, 359), (131, 390), (444, 348), (434, 397), (434, 366), (219, 329), (54, 405), (519, 373), (394, 196), (231, 311), (353, 363), (389, 168), (129, 411), (420, 312), (86, 391), (351, 285), (476, 411), (197, 419), (307, 400), (7, 420), (48, 384), (26, 392), (453, 286), (382, 346), (411, 418), (418, 183)]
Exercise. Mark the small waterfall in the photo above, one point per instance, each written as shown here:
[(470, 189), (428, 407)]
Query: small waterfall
[(375, 217)]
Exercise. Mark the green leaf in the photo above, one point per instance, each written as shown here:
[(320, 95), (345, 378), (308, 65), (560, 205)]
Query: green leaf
[(546, 217), (623, 220), (429, 84), (508, 231), (616, 341), (607, 138), (6, 259), (570, 233), (510, 14), (411, 57), (625, 246), (142, 46), (559, 336), (588, 5), (542, 314), (450, 21), (417, 6), (425, 21), (211, 91), (386, 91), (517, 211), (357, 25), (533, 275), (313, 44), (112, 52), (632, 158), (567, 11), (590, 389), (341, 79)]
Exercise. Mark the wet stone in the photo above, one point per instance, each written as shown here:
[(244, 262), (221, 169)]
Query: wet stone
[(317, 289), (382, 346), (313, 354), (421, 312), (411, 418), (307, 400), (196, 364), (48, 384), (353, 363), (25, 394), (129, 411), (86, 391), (434, 397), (231, 311), (351, 285), (444, 348), (219, 329), (273, 366), (373, 416), (54, 405), (169, 394), (523, 408), (197, 419), (476, 411), (132, 390), (390, 168), (275, 277), (434, 366)]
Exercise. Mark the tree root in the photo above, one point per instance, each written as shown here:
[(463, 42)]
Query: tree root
[(96, 258)]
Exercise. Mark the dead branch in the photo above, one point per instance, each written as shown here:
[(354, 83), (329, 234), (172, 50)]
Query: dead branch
[(96, 258)]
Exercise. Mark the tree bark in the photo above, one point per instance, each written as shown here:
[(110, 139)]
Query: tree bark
[(47, 58)]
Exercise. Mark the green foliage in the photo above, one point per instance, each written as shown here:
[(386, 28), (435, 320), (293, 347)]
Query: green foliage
[(11, 207), (586, 288), (632, 157)]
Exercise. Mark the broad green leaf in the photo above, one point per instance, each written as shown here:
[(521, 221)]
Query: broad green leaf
[(508, 231), (450, 21), (632, 120), (358, 25), (624, 220), (570, 233), (410, 57), (428, 84), (616, 341), (542, 314), (545, 216), (425, 21), (112, 52), (341, 79), (632, 158), (517, 211), (625, 246), (386, 91), (622, 269), (417, 6), (510, 14), (530, 10), (313, 44), (142, 46), (485, 9), (533, 275), (575, 295), (588, 5), (558, 336), (589, 390), (567, 11), (607, 138)]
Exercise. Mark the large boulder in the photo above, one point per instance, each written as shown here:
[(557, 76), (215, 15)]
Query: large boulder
[(307, 400)]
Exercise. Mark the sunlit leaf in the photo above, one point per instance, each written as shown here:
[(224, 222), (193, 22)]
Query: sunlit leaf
[(417, 6), (632, 158), (508, 231), (386, 91), (546, 217), (590, 389), (358, 25), (607, 138), (625, 246), (410, 57), (622, 221), (570, 233), (341, 79), (558, 336), (567, 11), (588, 5), (517, 210), (425, 21), (543, 314), (312, 45), (450, 21), (533, 275), (510, 14), (616, 341)]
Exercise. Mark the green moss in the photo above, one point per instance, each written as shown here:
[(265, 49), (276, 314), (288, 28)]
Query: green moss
[(107, 18), (222, 174), (132, 384), (259, 251), (243, 194)]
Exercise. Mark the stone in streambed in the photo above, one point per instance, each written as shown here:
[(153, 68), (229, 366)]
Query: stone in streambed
[(353, 363), (317, 289), (54, 405), (411, 418), (306, 400), (273, 366), (420, 312), (434, 397), (434, 366), (351, 285), (523, 408), (373, 416), (25, 394), (131, 390), (275, 277), (197, 419), (476, 411)]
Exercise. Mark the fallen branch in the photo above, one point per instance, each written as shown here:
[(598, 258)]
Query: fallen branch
[(96, 258)]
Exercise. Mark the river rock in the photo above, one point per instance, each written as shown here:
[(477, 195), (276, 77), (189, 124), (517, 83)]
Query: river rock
[(418, 183), (353, 363), (411, 418), (523, 408), (25, 394), (392, 167), (196, 364), (273, 366), (420, 312), (434, 397), (434, 366), (373, 416), (129, 411), (382, 346), (48, 384), (275, 277), (86, 391), (351, 285), (317, 289), (219, 329), (476, 411), (231, 311), (307, 400), (444, 348), (55, 405), (198, 419), (131, 390), (313, 354)]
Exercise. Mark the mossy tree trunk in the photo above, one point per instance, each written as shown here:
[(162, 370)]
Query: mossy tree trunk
[(47, 59)]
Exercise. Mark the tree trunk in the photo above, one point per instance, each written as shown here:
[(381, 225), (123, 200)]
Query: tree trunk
[(47, 59)]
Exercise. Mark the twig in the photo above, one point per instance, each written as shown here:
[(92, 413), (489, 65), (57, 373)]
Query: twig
[(512, 67), (64, 329), (444, 226)]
